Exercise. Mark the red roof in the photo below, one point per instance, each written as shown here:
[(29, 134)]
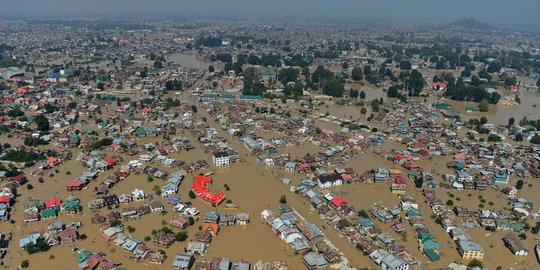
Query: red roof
[(110, 160), (5, 199), (200, 187), (75, 184), (302, 166), (18, 178), (440, 85), (338, 201), (145, 110), (52, 202), (400, 180)]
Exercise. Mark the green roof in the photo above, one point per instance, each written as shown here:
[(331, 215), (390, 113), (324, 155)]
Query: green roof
[(432, 255), (267, 72), (424, 236), (71, 205), (208, 95), (48, 213), (83, 255), (414, 212), (250, 97), (443, 106)]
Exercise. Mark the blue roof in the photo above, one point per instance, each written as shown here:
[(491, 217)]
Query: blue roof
[(250, 97), (29, 239), (366, 222)]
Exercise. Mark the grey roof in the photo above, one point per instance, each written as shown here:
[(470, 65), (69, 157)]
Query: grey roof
[(314, 259), (470, 246), (392, 261), (183, 260)]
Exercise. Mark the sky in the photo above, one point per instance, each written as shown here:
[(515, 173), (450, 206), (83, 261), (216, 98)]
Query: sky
[(495, 12)]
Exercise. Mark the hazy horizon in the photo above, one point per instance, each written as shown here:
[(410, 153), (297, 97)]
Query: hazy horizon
[(495, 12)]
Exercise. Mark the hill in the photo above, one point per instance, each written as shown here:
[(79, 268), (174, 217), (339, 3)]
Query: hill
[(470, 23)]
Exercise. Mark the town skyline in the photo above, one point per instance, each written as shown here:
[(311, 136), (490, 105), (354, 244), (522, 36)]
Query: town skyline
[(521, 13)]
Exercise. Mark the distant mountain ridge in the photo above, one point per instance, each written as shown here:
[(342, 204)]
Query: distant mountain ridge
[(470, 23)]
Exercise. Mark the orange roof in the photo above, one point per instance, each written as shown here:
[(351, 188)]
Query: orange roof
[(52, 160), (211, 226)]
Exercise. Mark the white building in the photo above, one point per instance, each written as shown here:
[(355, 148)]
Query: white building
[(332, 180), (221, 158)]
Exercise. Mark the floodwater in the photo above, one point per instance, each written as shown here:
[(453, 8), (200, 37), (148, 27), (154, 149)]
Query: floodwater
[(188, 59), (255, 188)]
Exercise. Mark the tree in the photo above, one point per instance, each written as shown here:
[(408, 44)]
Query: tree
[(519, 184), (511, 121), (494, 138), (288, 75), (535, 139), (405, 65), (49, 108), (173, 85), (143, 74), (305, 72), (283, 199), (16, 112), (475, 80), (475, 263), (158, 64), (211, 68), (450, 203), (363, 213), (252, 83), (101, 86), (415, 83), (321, 74), (483, 106), (25, 264), (334, 88), (392, 91), (536, 228), (494, 67), (362, 95), (363, 110), (419, 182), (181, 236), (367, 70), (484, 75), (483, 120), (356, 74), (42, 123), (192, 194), (353, 93), (72, 105)]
